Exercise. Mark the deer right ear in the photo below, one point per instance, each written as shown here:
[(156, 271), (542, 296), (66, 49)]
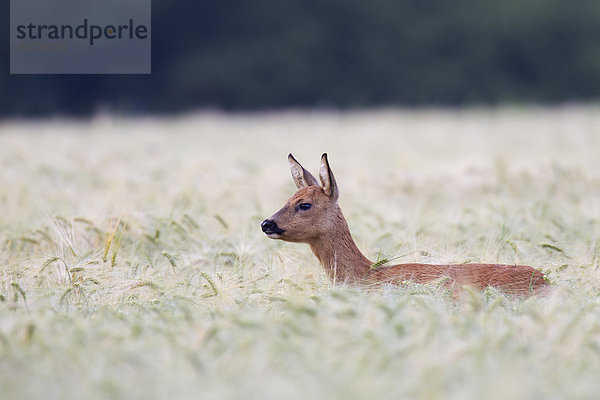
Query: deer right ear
[(302, 178), (328, 182)]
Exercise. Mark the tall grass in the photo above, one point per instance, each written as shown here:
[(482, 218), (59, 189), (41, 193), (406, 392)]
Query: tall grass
[(132, 264)]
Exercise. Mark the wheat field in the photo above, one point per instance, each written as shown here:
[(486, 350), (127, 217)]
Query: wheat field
[(132, 265)]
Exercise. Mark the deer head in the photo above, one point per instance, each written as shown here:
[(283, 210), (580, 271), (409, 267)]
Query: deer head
[(311, 211)]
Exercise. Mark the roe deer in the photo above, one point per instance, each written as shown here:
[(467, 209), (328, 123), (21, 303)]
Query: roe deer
[(313, 216)]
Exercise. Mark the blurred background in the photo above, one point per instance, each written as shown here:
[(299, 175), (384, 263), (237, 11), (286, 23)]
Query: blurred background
[(337, 54)]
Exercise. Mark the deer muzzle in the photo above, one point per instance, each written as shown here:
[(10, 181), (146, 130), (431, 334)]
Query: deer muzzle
[(270, 228)]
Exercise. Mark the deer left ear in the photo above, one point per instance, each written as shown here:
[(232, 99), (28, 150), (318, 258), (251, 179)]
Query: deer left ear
[(328, 182), (302, 178)]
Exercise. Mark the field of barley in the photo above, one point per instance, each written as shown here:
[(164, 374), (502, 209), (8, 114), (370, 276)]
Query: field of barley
[(132, 264)]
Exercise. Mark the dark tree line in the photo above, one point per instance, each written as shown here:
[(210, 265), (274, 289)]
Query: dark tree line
[(256, 54)]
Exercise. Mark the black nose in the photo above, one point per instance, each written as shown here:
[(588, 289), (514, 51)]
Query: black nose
[(268, 226)]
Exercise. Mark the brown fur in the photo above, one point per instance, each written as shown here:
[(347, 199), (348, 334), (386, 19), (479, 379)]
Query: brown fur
[(324, 228)]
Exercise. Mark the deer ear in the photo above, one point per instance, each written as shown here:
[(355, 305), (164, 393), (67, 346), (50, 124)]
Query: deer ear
[(328, 182), (302, 178)]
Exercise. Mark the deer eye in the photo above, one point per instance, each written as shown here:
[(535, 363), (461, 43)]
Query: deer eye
[(304, 206)]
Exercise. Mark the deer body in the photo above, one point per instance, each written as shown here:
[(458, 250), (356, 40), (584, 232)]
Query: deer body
[(313, 216)]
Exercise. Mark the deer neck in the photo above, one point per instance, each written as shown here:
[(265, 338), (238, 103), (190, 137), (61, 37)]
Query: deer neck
[(340, 257)]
